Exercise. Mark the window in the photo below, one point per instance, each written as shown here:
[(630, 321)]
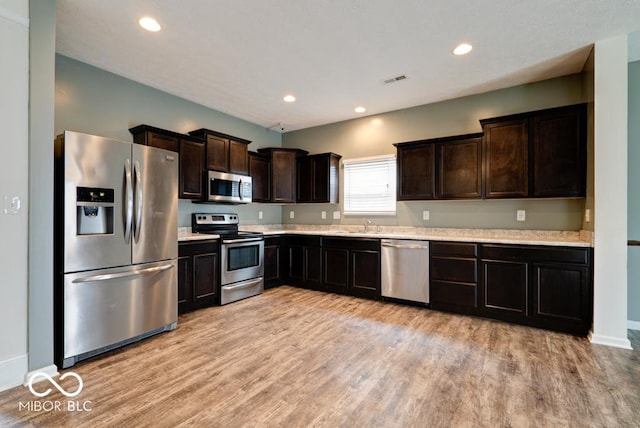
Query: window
[(370, 185)]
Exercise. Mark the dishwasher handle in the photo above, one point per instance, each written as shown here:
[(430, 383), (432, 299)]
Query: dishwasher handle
[(407, 246)]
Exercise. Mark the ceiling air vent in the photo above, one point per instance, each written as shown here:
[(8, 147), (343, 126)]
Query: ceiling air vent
[(394, 79)]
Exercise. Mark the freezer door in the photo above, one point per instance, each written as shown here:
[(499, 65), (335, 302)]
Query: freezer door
[(155, 220), (95, 233), (104, 307)]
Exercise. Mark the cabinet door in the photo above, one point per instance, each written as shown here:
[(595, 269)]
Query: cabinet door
[(313, 267), (305, 179), (416, 172), (505, 286), (271, 263), (365, 273), (336, 269), (506, 159), (559, 153), (205, 277), (460, 169), (260, 170), (238, 161), (161, 141), (185, 283), (283, 171), (296, 264), (561, 298), (192, 169), (217, 153)]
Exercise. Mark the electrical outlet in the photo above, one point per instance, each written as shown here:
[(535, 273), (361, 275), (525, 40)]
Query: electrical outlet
[(12, 205), (425, 215), (336, 215), (260, 215), (587, 215), (521, 215), (291, 214), (323, 215)]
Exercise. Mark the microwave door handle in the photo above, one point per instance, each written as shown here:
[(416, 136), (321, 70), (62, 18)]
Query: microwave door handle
[(138, 201), (128, 202), (240, 189)]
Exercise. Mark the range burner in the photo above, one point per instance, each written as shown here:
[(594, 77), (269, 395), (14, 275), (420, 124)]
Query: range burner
[(225, 225)]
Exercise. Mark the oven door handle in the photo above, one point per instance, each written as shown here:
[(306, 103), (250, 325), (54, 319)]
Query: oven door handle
[(243, 284), (238, 241)]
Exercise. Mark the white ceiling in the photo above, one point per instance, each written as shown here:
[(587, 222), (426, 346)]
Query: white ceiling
[(241, 57)]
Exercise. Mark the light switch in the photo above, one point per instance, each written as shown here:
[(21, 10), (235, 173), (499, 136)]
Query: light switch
[(587, 215), (291, 214), (260, 215), (521, 215), (336, 215), (12, 205), (425, 215), (323, 215)]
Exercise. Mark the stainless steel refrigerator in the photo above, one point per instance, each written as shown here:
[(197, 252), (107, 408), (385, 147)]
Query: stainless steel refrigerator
[(115, 215)]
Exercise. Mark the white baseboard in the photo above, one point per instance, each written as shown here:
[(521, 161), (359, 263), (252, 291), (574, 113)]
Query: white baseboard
[(616, 342), (633, 325), (12, 371), (51, 370)]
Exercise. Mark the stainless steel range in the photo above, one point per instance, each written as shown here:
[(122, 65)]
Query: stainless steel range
[(242, 255)]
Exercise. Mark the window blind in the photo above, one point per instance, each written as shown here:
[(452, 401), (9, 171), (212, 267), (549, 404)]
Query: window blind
[(370, 185)]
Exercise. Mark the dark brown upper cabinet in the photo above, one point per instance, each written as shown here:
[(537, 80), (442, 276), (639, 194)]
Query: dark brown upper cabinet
[(506, 156), (224, 152), (460, 167), (260, 171), (558, 139), (440, 168), (416, 171), (539, 154), (283, 164), (317, 178), (192, 157)]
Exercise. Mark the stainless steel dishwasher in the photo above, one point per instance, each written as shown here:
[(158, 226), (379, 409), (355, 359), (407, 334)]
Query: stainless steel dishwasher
[(405, 269)]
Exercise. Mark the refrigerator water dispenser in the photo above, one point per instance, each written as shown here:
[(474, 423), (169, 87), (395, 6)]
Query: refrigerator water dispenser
[(94, 211)]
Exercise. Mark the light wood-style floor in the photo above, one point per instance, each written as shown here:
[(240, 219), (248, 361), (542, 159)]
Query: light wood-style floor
[(297, 358)]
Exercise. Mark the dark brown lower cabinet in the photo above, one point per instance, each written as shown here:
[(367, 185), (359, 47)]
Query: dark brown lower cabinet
[(505, 289), (352, 266), (272, 261), (198, 276), (547, 287), (305, 261), (453, 274)]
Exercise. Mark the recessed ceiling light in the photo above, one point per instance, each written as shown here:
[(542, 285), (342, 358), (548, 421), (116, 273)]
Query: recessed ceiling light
[(289, 98), (360, 109), (149, 24), (462, 49)]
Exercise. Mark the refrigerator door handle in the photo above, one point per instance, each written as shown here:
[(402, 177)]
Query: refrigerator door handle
[(138, 201), (128, 202), (118, 275)]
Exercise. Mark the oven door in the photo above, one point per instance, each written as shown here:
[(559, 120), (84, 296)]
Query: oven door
[(241, 259)]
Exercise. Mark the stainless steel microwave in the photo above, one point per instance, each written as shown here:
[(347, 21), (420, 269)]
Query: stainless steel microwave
[(228, 188)]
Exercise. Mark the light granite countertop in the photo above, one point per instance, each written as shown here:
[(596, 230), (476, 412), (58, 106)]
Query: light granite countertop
[(581, 238)]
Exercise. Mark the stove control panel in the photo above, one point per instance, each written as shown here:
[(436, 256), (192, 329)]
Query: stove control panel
[(214, 219)]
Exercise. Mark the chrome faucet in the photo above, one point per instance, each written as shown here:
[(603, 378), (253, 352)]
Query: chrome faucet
[(366, 224)]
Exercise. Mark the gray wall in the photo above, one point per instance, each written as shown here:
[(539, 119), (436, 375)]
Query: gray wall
[(374, 135), (633, 199), (41, 105), (95, 101)]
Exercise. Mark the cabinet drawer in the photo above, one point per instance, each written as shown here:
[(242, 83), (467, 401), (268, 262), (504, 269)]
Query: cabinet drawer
[(539, 254), (304, 241), (352, 243), (454, 249), (447, 294), (453, 269)]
